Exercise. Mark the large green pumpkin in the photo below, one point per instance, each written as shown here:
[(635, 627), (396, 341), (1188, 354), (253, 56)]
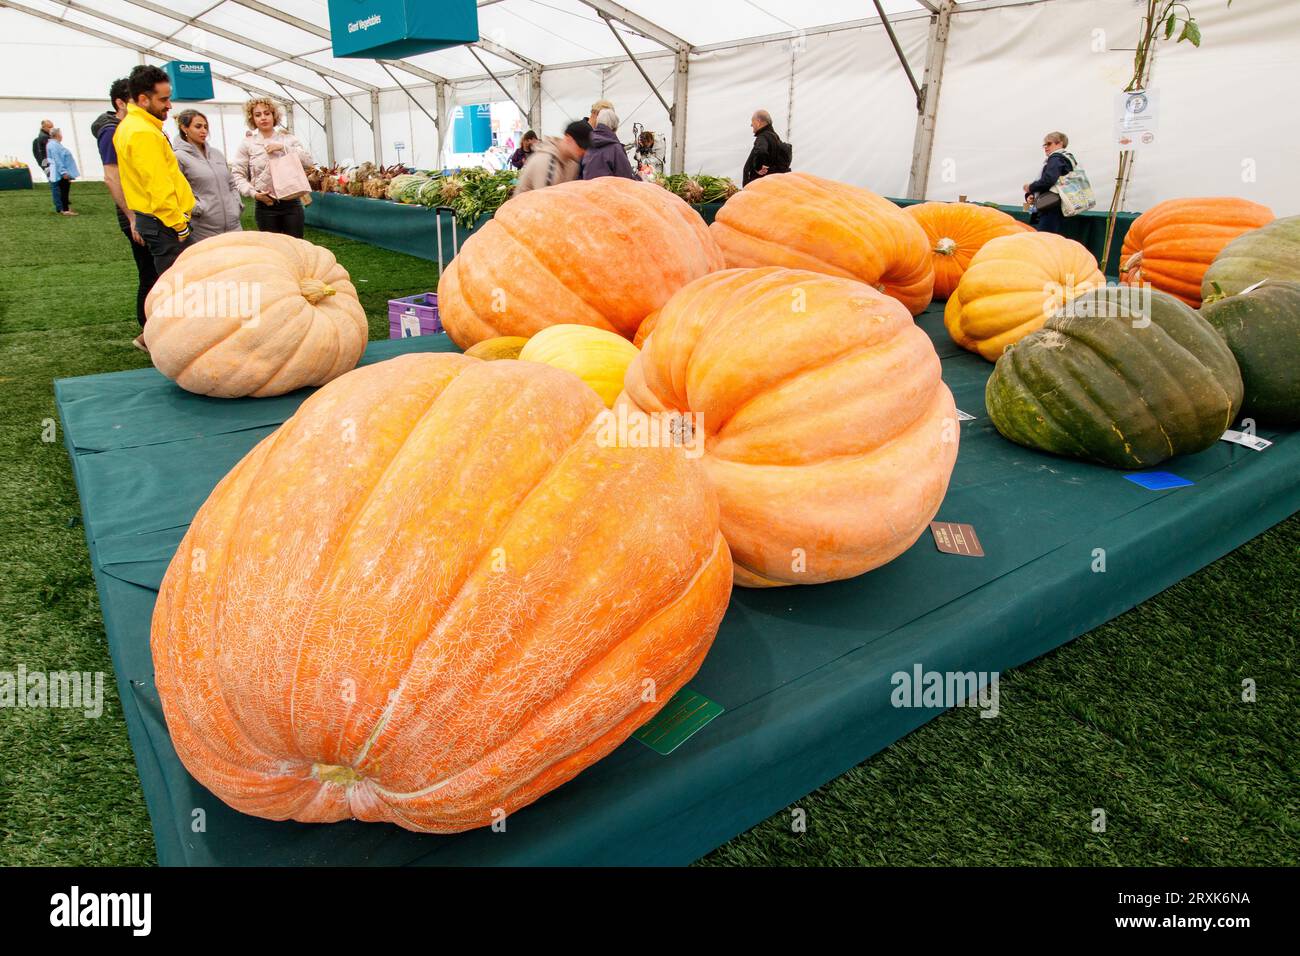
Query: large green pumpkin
[(1111, 380), (1269, 252), (1262, 327)]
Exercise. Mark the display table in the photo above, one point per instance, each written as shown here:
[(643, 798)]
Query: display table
[(804, 673), (414, 229), (388, 225), (20, 178)]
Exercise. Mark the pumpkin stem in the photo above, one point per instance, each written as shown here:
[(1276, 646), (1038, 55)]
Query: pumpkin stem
[(333, 773), (1214, 296), (313, 290), (1134, 262), (945, 247)]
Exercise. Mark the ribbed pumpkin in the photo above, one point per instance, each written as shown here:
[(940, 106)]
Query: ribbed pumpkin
[(801, 221), (1171, 244), (502, 347), (828, 432), (432, 596), (643, 331), (956, 231), (1012, 285), (605, 252), (254, 313), (1269, 252), (1111, 381), (1262, 327), (597, 357)]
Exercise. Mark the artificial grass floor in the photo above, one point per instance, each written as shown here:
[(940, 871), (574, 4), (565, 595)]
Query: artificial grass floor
[(1142, 718)]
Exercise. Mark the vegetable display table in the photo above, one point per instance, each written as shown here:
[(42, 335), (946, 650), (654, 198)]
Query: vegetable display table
[(20, 178), (414, 229), (398, 227), (805, 675), (389, 225)]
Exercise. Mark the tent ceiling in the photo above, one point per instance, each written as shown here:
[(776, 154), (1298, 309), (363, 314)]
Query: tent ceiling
[(261, 42)]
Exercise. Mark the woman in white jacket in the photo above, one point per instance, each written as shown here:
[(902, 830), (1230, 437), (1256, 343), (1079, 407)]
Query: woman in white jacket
[(217, 206), (252, 172)]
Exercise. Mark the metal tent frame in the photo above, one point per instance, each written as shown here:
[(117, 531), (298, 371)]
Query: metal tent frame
[(500, 63)]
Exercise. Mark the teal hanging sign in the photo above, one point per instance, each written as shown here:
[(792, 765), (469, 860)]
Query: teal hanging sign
[(471, 128), (390, 29), (190, 80)]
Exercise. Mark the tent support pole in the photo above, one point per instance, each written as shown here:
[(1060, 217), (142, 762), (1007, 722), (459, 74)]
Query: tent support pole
[(329, 132), (907, 68), (535, 99), (375, 128), (497, 80), (440, 105), (637, 63), (678, 112), (918, 180)]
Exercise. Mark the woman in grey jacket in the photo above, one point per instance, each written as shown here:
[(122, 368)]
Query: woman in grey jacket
[(217, 206)]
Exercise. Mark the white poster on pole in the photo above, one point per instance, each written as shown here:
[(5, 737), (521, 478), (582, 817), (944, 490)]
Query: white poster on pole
[(1136, 119)]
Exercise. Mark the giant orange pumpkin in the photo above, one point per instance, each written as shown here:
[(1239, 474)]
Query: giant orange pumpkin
[(432, 596), (827, 430), (802, 221), (1172, 244), (1013, 284), (956, 231), (254, 313), (606, 252)]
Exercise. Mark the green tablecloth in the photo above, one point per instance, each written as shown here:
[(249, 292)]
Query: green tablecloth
[(414, 229), (15, 178), (388, 225), (804, 673)]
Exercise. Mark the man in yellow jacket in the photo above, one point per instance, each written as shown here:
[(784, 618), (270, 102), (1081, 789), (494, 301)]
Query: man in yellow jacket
[(152, 182)]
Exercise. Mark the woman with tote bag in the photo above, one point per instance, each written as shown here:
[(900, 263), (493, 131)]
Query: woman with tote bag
[(271, 167)]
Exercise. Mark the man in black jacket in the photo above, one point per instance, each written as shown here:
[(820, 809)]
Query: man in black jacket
[(769, 154), (1050, 217), (39, 145)]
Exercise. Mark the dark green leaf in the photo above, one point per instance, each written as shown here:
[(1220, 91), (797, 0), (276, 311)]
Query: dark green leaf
[(1169, 26)]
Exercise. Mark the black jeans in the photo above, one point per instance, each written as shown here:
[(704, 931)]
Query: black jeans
[(161, 241), (284, 216), (144, 268), (1051, 219)]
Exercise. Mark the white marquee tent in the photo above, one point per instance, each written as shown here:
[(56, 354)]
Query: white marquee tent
[(996, 75)]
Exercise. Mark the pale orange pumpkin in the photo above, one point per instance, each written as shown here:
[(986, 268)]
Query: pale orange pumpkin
[(1172, 244), (605, 252), (801, 221), (827, 431), (645, 328), (254, 313), (1011, 287), (432, 596), (956, 231)]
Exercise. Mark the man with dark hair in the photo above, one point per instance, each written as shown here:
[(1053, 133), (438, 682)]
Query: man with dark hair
[(39, 146), (769, 154), (152, 183), (119, 95), (555, 159)]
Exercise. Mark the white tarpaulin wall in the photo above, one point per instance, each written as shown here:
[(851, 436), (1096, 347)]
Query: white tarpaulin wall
[(1013, 71)]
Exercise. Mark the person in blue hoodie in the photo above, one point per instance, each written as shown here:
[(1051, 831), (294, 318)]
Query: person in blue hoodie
[(606, 156), (63, 170)]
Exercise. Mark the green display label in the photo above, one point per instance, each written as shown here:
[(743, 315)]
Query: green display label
[(686, 713)]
